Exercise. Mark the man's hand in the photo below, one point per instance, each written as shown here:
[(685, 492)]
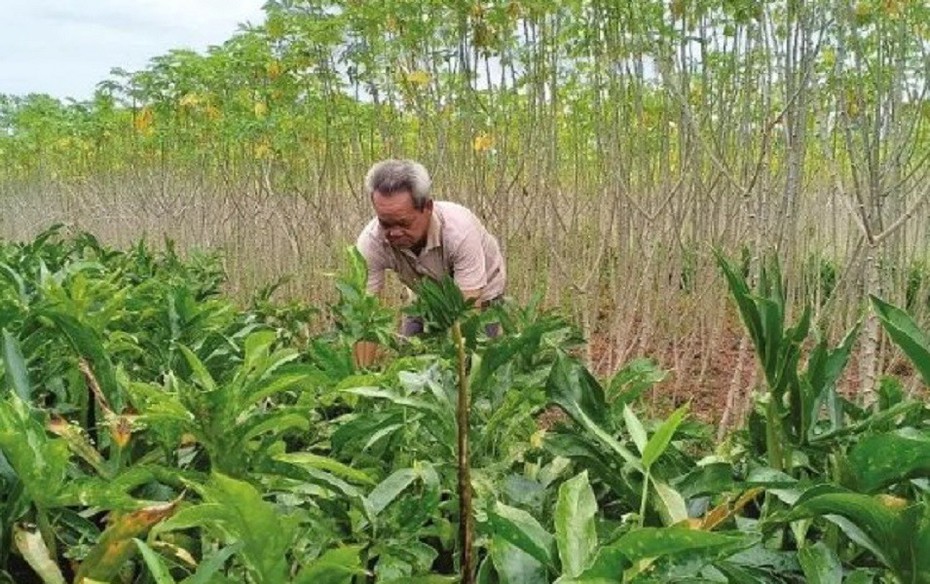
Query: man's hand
[(473, 295), (366, 353)]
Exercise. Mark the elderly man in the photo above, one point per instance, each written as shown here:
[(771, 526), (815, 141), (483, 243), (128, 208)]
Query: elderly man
[(415, 237)]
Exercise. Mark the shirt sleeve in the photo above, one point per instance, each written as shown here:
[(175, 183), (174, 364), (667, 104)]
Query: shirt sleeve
[(373, 256), (468, 263)]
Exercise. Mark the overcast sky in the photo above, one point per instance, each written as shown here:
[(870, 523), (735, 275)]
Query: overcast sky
[(65, 47)]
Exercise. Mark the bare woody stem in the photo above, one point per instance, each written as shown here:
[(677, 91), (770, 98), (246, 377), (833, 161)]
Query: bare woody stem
[(466, 527)]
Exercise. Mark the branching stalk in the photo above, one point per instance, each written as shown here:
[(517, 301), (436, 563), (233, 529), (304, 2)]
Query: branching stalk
[(466, 528)]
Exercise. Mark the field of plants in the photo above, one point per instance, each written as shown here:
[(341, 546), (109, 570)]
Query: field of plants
[(153, 431), (175, 416), (608, 145)]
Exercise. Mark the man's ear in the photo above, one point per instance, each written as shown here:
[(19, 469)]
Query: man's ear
[(428, 205)]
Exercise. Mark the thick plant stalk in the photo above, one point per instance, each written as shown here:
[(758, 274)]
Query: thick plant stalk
[(870, 334), (466, 528)]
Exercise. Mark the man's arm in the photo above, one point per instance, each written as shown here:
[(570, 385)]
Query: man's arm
[(473, 295), (468, 263), (365, 353)]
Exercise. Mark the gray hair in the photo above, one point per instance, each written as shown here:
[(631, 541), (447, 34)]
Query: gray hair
[(396, 176)]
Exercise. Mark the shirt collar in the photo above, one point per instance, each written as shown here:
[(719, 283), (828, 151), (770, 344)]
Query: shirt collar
[(434, 231)]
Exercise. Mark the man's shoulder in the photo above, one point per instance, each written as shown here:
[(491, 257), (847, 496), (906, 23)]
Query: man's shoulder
[(461, 228), (456, 209), (457, 218)]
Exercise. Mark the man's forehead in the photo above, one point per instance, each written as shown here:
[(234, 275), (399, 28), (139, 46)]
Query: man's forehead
[(396, 203)]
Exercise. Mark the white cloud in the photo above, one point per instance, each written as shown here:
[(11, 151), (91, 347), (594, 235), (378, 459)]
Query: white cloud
[(65, 48)]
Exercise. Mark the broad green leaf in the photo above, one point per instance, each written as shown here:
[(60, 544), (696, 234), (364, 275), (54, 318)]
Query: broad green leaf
[(156, 564), (637, 431), (277, 383), (335, 566), (308, 459), (574, 444), (905, 333), (433, 579), (404, 559), (40, 462), (744, 301), (200, 373), (820, 564), (656, 542), (860, 576), (354, 431), (663, 436), (873, 420), (876, 523), (333, 483), (520, 529), (574, 389), (16, 372), (17, 281), (256, 347), (922, 543), (575, 529), (234, 510), (30, 544), (88, 344), (274, 423), (669, 503), (824, 368), (708, 479), (739, 574), (634, 379), (515, 566), (415, 403), (387, 490), (504, 350), (884, 459), (207, 569), (607, 568), (486, 573)]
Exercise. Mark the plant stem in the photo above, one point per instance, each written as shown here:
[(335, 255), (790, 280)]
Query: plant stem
[(466, 529), (773, 436), (642, 504)]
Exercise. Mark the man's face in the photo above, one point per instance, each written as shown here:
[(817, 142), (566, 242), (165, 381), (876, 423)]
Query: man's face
[(403, 225)]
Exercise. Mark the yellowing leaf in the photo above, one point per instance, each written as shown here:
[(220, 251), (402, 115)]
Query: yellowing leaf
[(716, 516), (483, 142), (892, 502), (419, 78), (143, 119), (274, 70), (32, 547), (261, 109), (537, 439), (121, 430), (189, 100), (115, 545), (262, 150)]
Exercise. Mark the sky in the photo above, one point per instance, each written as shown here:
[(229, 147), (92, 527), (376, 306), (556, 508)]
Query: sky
[(65, 47)]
